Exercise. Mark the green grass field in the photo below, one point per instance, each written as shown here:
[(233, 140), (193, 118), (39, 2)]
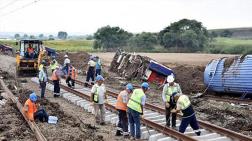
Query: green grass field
[(230, 46), (61, 45)]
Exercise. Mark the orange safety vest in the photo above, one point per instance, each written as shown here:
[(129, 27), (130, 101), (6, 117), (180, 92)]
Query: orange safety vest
[(32, 108), (72, 72), (119, 103), (54, 76), (30, 50)]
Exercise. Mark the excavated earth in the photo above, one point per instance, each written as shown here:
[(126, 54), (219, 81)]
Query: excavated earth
[(190, 77)]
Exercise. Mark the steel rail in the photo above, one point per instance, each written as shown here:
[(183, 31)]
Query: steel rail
[(32, 125), (168, 131), (203, 124)]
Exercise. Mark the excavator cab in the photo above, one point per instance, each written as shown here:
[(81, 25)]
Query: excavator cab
[(29, 57)]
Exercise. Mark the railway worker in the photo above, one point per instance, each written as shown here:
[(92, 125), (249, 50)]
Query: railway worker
[(184, 105), (171, 88), (98, 97), (30, 51), (135, 109), (42, 64), (71, 76), (31, 111), (53, 64), (121, 106), (56, 80), (98, 66), (43, 76), (91, 71), (67, 60)]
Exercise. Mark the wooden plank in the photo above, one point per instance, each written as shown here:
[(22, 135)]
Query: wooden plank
[(33, 125)]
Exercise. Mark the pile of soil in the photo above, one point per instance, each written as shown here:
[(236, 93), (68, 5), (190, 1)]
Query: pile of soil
[(12, 124), (190, 78), (223, 114), (79, 60)]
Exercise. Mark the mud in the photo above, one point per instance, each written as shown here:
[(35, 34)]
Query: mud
[(78, 60), (223, 114)]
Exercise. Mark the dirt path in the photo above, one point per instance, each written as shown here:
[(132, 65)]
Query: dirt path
[(171, 58)]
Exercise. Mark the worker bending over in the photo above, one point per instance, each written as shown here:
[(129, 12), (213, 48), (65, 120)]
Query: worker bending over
[(184, 105), (31, 111), (98, 97), (56, 80), (169, 90), (135, 109), (71, 76), (53, 64), (67, 60), (121, 106)]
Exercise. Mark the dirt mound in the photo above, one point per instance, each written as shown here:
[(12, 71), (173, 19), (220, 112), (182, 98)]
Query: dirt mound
[(225, 115), (79, 60), (190, 78), (13, 125)]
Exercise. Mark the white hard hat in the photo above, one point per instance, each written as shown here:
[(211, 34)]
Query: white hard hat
[(66, 56), (170, 78), (67, 61)]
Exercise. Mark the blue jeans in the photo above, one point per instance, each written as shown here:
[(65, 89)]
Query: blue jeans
[(193, 123), (134, 121), (97, 72)]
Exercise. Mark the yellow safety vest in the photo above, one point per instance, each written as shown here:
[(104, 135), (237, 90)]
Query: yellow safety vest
[(170, 91), (53, 66), (135, 100), (184, 102), (96, 94), (41, 66)]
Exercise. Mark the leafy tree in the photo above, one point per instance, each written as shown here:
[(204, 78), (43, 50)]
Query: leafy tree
[(51, 37), (184, 33), (25, 36), (110, 37), (32, 37), (62, 35), (226, 33), (213, 34), (17, 36), (144, 40), (41, 36), (89, 37)]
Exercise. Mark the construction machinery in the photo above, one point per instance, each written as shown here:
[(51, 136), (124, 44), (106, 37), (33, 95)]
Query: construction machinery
[(29, 57)]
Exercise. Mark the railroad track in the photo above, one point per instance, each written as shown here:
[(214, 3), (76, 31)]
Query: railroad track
[(153, 119), (208, 126), (32, 125)]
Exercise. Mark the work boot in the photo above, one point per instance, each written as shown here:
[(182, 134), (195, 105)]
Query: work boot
[(86, 84), (118, 133), (198, 133)]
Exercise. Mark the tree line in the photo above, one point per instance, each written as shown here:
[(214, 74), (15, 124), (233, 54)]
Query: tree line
[(185, 35)]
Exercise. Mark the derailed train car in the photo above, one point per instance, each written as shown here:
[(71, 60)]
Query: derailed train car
[(230, 75), (132, 66)]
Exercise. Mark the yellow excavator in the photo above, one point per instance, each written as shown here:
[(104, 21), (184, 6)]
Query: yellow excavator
[(29, 57)]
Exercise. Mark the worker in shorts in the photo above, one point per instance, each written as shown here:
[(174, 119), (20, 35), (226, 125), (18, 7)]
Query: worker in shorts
[(121, 106), (184, 105), (99, 98), (169, 90)]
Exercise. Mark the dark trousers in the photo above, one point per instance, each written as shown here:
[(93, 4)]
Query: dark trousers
[(193, 123), (68, 80), (56, 86), (168, 114), (134, 120), (123, 121), (42, 87), (41, 115), (97, 72), (90, 74)]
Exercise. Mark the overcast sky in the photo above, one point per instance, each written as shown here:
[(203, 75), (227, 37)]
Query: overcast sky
[(86, 16)]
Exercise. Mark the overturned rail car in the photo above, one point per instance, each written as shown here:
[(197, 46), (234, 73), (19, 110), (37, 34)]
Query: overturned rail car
[(230, 75)]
